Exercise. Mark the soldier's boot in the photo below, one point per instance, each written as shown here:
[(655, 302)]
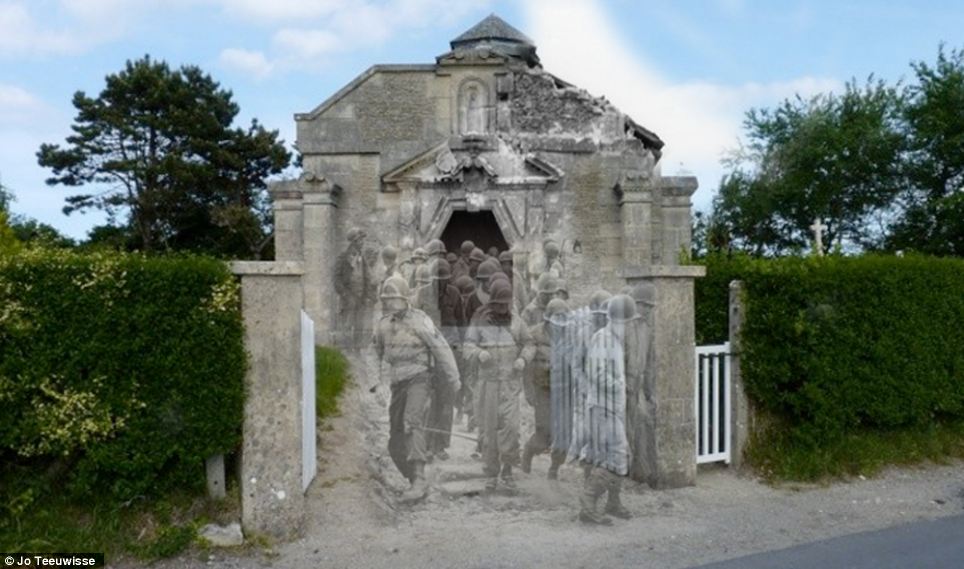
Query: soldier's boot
[(614, 506), (593, 488), (557, 460), (508, 482), (419, 487), (527, 456)]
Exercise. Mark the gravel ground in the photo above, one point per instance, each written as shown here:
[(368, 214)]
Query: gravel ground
[(354, 519)]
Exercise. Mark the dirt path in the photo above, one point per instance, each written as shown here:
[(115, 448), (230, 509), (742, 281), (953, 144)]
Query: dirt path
[(354, 519)]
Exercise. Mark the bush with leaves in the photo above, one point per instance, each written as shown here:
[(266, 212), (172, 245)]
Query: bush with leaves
[(120, 371)]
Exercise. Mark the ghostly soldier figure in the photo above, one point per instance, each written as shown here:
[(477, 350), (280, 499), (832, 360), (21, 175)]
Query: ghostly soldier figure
[(607, 447), (583, 325), (553, 261), (355, 284), (538, 386), (520, 296), (640, 384), (546, 288), (443, 400), (410, 350), (482, 275), (461, 265), (435, 249), (410, 267), (425, 296), (499, 343), (464, 400)]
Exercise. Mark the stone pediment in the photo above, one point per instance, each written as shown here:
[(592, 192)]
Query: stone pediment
[(501, 165)]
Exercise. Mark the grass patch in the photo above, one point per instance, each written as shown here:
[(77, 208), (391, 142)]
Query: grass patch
[(35, 518), (331, 374), (778, 456)]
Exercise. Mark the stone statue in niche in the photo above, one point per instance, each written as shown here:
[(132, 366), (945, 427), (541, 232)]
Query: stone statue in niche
[(473, 109)]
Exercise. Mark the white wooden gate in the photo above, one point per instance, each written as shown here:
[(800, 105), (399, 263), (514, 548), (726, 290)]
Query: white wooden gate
[(712, 404), (309, 458)]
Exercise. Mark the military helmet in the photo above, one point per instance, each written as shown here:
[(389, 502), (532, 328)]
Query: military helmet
[(621, 308), (501, 292), (546, 284), (597, 302), (424, 274), (644, 293), (435, 247), (441, 269), (487, 269), (467, 247), (419, 253), (505, 257), (389, 252), (556, 308), (465, 284), (477, 255), (551, 248), (451, 258), (355, 233), (394, 287), (562, 286), (498, 276)]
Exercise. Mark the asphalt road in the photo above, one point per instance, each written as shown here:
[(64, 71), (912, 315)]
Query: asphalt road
[(934, 544)]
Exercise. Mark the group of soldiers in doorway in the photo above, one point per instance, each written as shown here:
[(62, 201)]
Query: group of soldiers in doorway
[(468, 333)]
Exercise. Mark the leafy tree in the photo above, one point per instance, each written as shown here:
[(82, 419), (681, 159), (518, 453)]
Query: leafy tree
[(933, 219), (159, 146), (836, 157), (8, 239)]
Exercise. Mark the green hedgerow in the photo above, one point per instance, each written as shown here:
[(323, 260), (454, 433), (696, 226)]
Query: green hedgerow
[(127, 370)]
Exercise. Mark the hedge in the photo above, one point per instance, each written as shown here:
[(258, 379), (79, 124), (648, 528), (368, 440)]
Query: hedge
[(122, 372), (837, 345)]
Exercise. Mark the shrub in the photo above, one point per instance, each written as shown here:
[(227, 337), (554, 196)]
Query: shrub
[(835, 346), (122, 372)]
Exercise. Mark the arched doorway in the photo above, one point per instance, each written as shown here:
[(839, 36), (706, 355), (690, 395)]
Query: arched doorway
[(480, 227)]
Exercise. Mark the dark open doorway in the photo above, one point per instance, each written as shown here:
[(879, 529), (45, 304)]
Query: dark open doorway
[(479, 227)]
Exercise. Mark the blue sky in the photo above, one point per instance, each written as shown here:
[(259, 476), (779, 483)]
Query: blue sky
[(686, 69)]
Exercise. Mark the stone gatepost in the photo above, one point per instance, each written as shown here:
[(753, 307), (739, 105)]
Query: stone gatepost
[(651, 252), (304, 214), (272, 499)]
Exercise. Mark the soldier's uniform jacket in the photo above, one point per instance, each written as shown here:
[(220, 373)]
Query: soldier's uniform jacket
[(505, 343), (449, 303), (608, 445), (410, 344), (532, 315)]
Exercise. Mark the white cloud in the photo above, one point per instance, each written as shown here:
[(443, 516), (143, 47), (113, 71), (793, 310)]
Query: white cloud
[(18, 106), (336, 26), (306, 44), (249, 62), (699, 121)]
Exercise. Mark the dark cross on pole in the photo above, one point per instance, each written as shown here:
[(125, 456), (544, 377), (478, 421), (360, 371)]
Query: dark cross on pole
[(818, 228)]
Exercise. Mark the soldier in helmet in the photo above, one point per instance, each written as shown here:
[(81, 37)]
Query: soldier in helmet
[(537, 387), (463, 264), (356, 286), (443, 400), (562, 289), (520, 295), (493, 252), (476, 258), (594, 318), (607, 448), (553, 260), (500, 345), (424, 297), (411, 352), (466, 287), (482, 275), (641, 384), (546, 289), (435, 249), (410, 267)]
